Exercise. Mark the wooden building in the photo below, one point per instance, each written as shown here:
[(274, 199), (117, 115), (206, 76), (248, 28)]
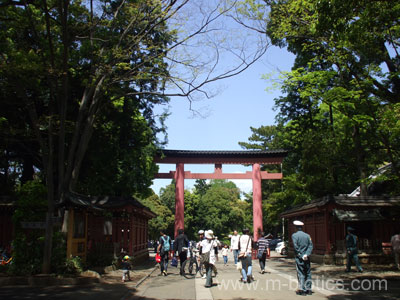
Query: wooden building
[(374, 218), (98, 226), (106, 226)]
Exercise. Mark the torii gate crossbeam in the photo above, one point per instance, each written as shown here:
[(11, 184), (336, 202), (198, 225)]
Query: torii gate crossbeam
[(254, 158)]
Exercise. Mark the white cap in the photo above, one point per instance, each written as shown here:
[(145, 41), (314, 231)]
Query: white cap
[(201, 231), (209, 234), (298, 223)]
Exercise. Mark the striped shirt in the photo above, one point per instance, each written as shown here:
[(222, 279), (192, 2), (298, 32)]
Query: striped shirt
[(263, 244)]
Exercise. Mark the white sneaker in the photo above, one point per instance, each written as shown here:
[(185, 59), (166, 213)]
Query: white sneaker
[(204, 276)]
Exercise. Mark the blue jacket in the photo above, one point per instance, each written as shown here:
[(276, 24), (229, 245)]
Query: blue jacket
[(302, 244)]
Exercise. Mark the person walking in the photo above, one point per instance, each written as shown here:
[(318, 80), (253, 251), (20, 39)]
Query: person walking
[(263, 245), (201, 235), (245, 250), (395, 241), (207, 252), (180, 242), (163, 250), (224, 253), (235, 246), (302, 248), (125, 266), (198, 245), (352, 250)]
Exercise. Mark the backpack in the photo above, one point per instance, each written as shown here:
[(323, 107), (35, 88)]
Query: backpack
[(166, 244)]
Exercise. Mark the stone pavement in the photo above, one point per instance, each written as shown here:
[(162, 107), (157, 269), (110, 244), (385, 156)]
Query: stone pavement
[(329, 282), (279, 283)]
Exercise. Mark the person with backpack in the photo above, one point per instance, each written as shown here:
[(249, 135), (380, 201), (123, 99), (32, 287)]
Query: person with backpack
[(163, 250)]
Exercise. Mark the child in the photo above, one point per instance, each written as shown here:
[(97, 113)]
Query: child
[(225, 254), (126, 266)]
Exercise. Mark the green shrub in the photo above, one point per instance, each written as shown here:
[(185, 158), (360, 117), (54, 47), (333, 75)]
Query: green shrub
[(73, 265), (31, 203), (27, 254)]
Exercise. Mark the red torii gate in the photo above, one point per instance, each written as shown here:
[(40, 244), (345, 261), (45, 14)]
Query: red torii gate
[(218, 158)]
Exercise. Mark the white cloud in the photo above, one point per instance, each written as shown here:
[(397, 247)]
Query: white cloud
[(245, 185)]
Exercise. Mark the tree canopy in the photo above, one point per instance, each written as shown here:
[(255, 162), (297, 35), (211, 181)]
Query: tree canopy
[(217, 207), (80, 80), (340, 100)]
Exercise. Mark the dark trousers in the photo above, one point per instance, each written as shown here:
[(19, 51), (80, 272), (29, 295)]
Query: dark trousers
[(262, 261), (182, 258), (164, 261), (303, 268)]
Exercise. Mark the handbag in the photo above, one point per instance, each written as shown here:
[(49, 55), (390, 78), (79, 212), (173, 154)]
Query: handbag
[(158, 258), (243, 254), (205, 258), (174, 262), (239, 265)]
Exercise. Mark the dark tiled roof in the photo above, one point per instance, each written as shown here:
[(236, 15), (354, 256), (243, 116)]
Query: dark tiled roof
[(369, 201), (223, 153), (102, 203), (220, 157)]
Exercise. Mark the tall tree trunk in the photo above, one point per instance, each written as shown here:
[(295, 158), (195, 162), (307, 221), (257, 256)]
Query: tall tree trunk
[(63, 101), (83, 133), (49, 166), (360, 156)]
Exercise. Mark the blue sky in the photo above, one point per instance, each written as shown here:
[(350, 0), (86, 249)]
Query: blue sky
[(243, 102)]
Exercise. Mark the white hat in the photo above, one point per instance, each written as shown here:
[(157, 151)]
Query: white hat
[(209, 234), (201, 231), (298, 223)]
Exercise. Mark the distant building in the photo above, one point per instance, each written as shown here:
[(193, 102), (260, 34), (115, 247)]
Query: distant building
[(99, 227), (106, 225), (374, 218)]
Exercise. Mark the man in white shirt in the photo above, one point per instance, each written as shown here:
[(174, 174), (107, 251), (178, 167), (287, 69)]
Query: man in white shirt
[(235, 246)]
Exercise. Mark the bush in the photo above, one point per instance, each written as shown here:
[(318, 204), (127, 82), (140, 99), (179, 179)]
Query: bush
[(73, 265), (28, 254)]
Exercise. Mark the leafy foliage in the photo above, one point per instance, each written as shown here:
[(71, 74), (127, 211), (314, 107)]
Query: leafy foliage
[(339, 114), (28, 253), (217, 207)]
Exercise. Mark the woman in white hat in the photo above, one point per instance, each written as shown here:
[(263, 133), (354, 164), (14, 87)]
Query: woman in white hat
[(207, 250)]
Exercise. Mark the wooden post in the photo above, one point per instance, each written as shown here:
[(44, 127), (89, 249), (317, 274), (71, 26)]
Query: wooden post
[(179, 197), (257, 202)]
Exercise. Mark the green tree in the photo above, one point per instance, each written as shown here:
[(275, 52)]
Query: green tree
[(66, 64), (350, 49), (222, 210), (339, 98), (164, 219), (201, 187)]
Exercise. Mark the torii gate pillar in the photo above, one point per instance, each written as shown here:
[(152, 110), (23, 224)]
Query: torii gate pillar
[(254, 158), (179, 197), (257, 202)]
